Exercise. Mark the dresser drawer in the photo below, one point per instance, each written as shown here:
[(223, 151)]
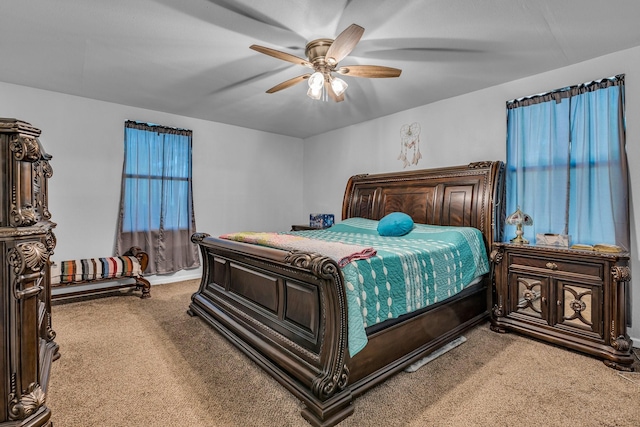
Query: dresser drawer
[(552, 265)]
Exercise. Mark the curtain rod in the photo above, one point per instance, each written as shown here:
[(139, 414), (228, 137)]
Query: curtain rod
[(155, 128), (559, 94)]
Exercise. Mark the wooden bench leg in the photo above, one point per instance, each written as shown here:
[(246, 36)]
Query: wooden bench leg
[(144, 284)]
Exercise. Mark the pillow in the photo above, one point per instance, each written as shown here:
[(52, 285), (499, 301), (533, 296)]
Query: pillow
[(395, 224)]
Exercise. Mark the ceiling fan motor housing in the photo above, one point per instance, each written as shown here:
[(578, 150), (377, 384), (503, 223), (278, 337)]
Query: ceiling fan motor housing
[(316, 50)]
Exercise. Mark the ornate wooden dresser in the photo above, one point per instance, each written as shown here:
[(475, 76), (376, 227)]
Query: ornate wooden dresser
[(26, 243), (572, 298)]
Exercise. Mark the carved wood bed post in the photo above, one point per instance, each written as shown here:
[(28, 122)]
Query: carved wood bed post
[(334, 374)]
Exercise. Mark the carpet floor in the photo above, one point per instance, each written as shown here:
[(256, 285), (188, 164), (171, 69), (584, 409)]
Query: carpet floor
[(128, 362)]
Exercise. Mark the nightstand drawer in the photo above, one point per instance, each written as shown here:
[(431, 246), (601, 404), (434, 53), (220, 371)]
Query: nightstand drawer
[(555, 266)]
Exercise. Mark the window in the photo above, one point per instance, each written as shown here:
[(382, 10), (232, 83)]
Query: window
[(566, 162), (156, 208)]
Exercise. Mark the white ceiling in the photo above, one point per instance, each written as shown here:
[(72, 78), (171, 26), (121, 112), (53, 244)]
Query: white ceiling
[(192, 57)]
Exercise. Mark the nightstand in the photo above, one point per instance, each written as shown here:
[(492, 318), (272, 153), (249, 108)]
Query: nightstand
[(571, 298)]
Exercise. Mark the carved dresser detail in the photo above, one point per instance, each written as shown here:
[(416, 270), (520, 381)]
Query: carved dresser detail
[(571, 298), (26, 243)]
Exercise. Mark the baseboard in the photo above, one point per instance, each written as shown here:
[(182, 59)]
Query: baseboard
[(636, 342), (160, 279)]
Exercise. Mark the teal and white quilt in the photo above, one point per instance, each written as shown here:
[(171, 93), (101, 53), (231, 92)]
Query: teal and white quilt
[(428, 265)]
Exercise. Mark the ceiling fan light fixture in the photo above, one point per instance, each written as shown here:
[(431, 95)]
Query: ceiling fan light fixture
[(323, 56), (314, 93), (338, 85), (316, 81)]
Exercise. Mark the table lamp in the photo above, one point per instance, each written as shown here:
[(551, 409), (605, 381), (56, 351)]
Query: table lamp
[(519, 218)]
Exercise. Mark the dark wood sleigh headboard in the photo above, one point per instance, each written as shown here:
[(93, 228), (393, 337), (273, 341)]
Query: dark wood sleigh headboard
[(470, 195)]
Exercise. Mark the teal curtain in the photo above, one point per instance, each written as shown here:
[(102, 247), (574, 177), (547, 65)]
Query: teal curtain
[(156, 210), (567, 165)]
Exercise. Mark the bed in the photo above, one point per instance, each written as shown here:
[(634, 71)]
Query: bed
[(288, 311)]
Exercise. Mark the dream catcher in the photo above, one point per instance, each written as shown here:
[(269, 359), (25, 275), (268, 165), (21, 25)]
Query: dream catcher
[(410, 144)]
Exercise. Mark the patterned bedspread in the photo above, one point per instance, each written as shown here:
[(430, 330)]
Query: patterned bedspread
[(398, 274), (426, 266), (340, 252)]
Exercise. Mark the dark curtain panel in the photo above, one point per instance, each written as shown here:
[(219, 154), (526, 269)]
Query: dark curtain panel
[(156, 204)]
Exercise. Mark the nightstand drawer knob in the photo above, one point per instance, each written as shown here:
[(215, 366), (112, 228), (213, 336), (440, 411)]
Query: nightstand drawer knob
[(552, 266)]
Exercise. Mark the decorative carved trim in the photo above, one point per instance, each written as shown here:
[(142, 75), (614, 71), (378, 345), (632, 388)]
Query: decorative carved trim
[(47, 170), (498, 310), (25, 148), (529, 295), (620, 343), (28, 261), (319, 265), (31, 256), (336, 376), (578, 305), (50, 241), (22, 405), (43, 171), (620, 274), (480, 165), (558, 250), (360, 176), (51, 334), (33, 230), (496, 256), (199, 237), (24, 216), (15, 126)]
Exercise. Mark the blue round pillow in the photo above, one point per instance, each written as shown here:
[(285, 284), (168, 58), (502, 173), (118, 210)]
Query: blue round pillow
[(395, 224)]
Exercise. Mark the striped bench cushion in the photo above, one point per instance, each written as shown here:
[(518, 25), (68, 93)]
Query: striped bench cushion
[(84, 270)]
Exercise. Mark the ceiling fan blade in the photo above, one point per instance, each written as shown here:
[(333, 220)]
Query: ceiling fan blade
[(332, 94), (288, 83), (370, 71), (281, 55), (344, 44)]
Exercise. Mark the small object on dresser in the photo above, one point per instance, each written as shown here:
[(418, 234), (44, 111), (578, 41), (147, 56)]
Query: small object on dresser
[(582, 247), (604, 247), (550, 239), (519, 218), (599, 247), (321, 220)]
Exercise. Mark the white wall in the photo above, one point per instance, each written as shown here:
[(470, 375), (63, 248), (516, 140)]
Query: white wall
[(243, 179), (460, 130)]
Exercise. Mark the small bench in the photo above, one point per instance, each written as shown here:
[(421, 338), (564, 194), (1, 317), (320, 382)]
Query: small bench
[(130, 265)]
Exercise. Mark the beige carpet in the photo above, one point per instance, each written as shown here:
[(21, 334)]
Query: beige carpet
[(131, 362)]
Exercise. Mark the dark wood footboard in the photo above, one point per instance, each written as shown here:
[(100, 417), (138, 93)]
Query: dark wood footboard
[(287, 312)]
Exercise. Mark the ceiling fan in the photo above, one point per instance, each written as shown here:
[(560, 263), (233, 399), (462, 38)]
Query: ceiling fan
[(323, 57)]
